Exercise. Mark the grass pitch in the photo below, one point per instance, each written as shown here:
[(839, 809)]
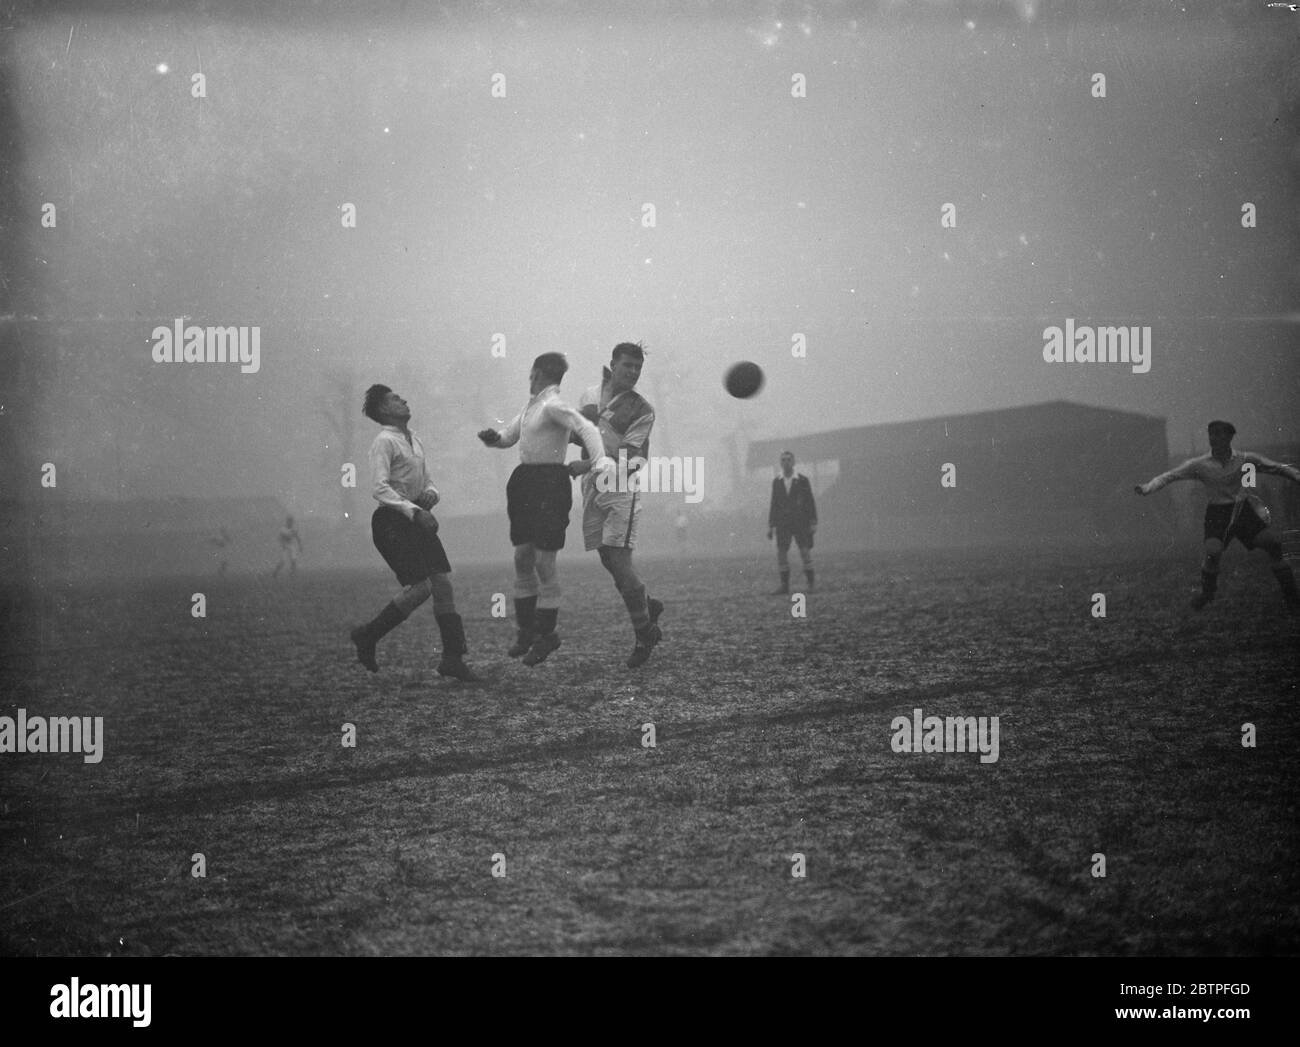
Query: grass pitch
[(1120, 736)]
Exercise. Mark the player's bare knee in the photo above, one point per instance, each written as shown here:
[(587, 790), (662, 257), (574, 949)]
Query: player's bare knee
[(525, 559), (545, 564), (413, 595)]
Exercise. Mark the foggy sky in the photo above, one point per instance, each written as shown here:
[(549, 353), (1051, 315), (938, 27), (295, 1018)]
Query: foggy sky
[(523, 216)]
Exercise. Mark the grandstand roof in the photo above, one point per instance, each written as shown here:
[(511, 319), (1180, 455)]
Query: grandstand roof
[(1006, 424)]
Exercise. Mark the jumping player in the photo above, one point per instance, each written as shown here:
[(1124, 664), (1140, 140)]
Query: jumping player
[(1231, 512), (609, 517), (406, 534), (538, 499)]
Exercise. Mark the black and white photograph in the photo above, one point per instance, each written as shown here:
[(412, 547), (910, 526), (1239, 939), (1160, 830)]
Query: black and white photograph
[(677, 478)]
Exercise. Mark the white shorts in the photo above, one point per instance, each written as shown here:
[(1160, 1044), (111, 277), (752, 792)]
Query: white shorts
[(608, 517)]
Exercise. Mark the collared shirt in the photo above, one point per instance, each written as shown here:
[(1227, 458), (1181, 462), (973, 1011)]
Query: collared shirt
[(542, 430), (624, 420), (1223, 479), (398, 470), (788, 481)]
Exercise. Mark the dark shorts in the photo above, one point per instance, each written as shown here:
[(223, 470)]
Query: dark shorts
[(1220, 524), (412, 552), (538, 499), (802, 538)]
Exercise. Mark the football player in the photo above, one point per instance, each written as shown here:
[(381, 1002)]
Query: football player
[(1232, 512)]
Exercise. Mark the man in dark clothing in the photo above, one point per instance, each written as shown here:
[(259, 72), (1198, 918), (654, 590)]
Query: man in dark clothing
[(793, 514)]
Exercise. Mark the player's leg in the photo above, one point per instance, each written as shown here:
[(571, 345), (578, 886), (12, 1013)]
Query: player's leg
[(618, 538), (1268, 540), (1213, 552), (527, 587), (643, 611), (804, 540), (452, 629), (783, 561), (548, 608), (1217, 535), (550, 499), (393, 536), (367, 637)]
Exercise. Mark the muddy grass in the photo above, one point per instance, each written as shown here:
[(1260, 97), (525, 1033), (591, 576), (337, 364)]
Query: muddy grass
[(1119, 735)]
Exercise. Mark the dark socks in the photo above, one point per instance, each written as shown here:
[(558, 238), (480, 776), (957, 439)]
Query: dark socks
[(1286, 582), (368, 635), (385, 621), (638, 608), (525, 612), (453, 635), (544, 620)]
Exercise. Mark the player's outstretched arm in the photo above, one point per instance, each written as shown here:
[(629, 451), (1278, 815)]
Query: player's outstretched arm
[(1267, 465), (1186, 471), (507, 437)]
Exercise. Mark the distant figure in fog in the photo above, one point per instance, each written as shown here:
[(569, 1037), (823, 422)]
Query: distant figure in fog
[(221, 542), (1232, 512), (289, 538), (681, 528), (793, 514)]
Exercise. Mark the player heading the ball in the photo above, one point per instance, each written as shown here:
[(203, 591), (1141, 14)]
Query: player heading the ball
[(539, 496), (609, 517)]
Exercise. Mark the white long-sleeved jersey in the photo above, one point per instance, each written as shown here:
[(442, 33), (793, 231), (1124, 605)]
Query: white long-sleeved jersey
[(398, 473), (1222, 478), (542, 430)]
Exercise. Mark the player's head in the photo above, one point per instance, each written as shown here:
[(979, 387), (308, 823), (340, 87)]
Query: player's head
[(385, 406), (787, 462), (548, 369), (1221, 434), (625, 366)]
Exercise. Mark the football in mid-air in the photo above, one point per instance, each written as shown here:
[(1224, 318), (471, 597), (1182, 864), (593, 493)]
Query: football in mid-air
[(744, 379)]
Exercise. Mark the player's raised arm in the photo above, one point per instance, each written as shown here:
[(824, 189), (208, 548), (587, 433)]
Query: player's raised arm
[(1267, 465), (1186, 471)]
